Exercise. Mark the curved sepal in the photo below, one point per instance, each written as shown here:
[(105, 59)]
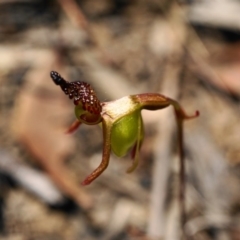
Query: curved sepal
[(106, 128)]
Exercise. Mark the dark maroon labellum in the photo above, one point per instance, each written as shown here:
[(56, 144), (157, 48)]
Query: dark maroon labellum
[(81, 93)]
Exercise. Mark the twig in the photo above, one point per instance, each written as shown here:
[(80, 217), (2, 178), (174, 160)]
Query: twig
[(32, 180), (74, 13)]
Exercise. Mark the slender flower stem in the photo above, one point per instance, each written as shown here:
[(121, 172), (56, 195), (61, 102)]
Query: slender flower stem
[(180, 117), (182, 183)]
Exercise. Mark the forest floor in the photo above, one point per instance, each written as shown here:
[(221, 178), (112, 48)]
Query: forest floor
[(121, 48)]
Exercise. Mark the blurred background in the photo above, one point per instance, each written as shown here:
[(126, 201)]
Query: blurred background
[(187, 50)]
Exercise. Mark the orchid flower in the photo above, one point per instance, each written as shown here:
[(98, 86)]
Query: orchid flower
[(121, 120)]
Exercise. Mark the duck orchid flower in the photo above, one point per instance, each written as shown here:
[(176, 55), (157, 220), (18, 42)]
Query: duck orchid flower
[(121, 120)]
